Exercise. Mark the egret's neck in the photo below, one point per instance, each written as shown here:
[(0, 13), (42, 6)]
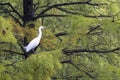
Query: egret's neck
[(40, 34)]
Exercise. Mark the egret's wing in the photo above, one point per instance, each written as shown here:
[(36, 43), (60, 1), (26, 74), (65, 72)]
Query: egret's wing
[(32, 44)]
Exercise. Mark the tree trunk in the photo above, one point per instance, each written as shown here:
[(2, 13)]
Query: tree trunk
[(28, 11)]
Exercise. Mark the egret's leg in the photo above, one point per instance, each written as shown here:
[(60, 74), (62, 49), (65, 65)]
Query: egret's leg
[(33, 50)]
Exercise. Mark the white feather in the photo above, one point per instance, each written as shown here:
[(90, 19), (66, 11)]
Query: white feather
[(35, 42)]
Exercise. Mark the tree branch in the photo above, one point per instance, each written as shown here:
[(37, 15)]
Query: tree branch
[(14, 10), (7, 11), (65, 61), (68, 77), (70, 62), (4, 42), (52, 15), (93, 29), (61, 34), (66, 4), (13, 52), (99, 16), (64, 10), (65, 51)]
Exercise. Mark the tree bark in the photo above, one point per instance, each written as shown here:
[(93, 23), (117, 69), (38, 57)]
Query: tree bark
[(28, 11)]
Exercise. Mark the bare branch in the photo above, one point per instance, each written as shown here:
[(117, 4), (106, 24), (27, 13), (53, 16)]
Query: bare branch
[(50, 15), (13, 52), (15, 19), (53, 15), (68, 77), (65, 51), (70, 62), (4, 42), (65, 61), (61, 34), (70, 12), (99, 16), (14, 10), (76, 66), (66, 4), (7, 11), (93, 29)]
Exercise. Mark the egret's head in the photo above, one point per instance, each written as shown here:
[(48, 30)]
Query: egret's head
[(41, 27)]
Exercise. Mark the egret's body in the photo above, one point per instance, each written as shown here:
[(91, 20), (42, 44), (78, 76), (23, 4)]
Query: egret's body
[(35, 42)]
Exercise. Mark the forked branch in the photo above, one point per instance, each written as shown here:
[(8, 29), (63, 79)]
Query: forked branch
[(66, 4)]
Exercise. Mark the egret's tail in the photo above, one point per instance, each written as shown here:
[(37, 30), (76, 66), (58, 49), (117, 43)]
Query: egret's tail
[(24, 49)]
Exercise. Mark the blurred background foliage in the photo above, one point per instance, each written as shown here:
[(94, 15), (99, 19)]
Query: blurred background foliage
[(92, 32)]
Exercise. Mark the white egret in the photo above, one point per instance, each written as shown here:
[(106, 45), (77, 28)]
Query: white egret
[(35, 42)]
